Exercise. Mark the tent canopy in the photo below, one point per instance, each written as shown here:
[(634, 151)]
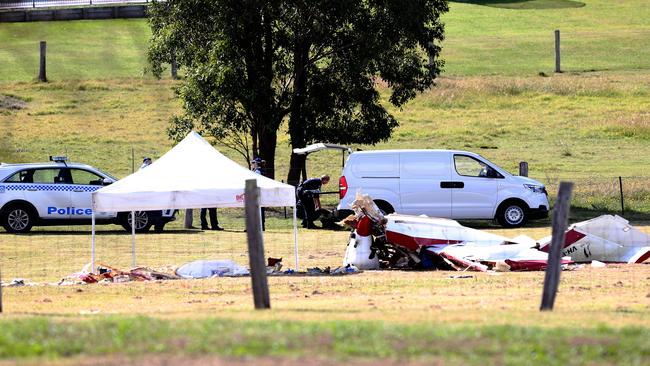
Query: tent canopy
[(191, 175)]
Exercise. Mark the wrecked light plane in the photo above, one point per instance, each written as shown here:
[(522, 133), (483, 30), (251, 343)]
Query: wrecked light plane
[(606, 239), (404, 241)]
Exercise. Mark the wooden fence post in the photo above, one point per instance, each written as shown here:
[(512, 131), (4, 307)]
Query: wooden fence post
[(256, 245), (553, 267), (174, 66), (620, 187), (188, 218), (523, 169), (42, 76), (557, 51), (0, 291)]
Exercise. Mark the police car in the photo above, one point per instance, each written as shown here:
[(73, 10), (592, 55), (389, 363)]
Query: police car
[(59, 193)]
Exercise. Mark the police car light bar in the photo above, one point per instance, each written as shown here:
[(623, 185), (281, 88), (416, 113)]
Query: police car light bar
[(58, 159)]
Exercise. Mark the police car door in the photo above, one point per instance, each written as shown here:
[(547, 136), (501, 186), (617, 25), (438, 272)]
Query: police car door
[(47, 190), (83, 184)]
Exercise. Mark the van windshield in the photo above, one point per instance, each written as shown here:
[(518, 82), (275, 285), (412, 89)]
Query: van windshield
[(498, 168)]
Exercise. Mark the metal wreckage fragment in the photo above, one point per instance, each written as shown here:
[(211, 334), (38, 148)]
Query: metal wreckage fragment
[(420, 242)]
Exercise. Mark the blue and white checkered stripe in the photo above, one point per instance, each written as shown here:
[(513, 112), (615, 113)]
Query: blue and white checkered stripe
[(49, 187)]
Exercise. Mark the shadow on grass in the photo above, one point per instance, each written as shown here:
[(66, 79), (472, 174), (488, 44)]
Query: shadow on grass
[(102, 232), (525, 4), (576, 214)]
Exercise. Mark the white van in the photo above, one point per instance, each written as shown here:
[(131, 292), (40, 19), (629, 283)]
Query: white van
[(442, 183)]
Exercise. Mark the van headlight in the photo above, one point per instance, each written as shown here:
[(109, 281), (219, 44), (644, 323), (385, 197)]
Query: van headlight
[(535, 188)]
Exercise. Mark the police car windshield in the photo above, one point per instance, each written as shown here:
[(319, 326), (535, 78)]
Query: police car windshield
[(108, 175)]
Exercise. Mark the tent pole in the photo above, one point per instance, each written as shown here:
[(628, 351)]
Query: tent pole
[(295, 236), (92, 245), (133, 239)]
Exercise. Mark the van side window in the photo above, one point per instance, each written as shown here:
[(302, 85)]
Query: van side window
[(470, 167), (425, 165)]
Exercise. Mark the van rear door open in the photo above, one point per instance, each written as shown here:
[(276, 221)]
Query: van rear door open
[(423, 176)]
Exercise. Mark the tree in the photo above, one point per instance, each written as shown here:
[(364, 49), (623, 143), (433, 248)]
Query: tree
[(250, 65)]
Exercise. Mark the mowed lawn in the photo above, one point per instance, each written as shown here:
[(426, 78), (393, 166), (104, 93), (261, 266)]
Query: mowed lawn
[(589, 124), (601, 317)]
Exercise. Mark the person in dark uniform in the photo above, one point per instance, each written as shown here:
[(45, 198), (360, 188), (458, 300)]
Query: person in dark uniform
[(214, 221), (308, 195)]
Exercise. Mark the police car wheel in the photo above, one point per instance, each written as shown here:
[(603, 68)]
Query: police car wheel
[(142, 222), (18, 219)]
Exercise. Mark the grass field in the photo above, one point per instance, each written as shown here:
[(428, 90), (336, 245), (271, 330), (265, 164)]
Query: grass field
[(498, 96), (601, 317)]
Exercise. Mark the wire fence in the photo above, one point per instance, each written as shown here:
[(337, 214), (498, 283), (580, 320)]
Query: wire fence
[(46, 259), (50, 255), (28, 255), (624, 196), (62, 3)]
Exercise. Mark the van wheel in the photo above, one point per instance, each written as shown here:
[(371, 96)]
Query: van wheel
[(18, 219), (142, 221), (512, 214), (385, 207)]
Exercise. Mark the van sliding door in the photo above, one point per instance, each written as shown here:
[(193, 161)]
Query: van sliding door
[(422, 176)]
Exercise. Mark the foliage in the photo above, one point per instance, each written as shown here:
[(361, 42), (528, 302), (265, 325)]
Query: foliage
[(251, 64)]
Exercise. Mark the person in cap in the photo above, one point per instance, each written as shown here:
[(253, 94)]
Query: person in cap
[(308, 195), (145, 162)]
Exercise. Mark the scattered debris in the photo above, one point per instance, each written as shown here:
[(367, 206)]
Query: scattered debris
[(108, 274), (421, 242), (211, 268), (598, 264), (10, 102), (607, 238), (18, 282), (89, 312)]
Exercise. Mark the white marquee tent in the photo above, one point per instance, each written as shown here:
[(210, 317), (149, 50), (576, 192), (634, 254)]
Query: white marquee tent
[(193, 174)]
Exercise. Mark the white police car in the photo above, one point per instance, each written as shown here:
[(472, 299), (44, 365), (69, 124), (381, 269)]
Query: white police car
[(58, 193)]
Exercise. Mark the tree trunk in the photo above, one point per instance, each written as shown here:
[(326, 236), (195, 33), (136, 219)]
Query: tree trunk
[(268, 142), (296, 128), (296, 166)]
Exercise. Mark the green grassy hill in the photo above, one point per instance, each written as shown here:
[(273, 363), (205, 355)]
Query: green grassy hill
[(498, 96), (102, 108)]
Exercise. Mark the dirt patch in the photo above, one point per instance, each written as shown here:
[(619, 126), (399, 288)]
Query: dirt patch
[(8, 102)]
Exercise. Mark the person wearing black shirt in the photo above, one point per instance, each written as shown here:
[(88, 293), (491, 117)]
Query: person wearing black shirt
[(308, 194)]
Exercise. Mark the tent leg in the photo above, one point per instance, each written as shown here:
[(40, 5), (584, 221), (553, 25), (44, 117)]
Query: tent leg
[(92, 243), (295, 236), (133, 239)]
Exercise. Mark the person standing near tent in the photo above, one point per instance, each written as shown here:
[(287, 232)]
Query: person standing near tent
[(308, 195), (155, 216), (257, 165), (214, 220), (145, 162)]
